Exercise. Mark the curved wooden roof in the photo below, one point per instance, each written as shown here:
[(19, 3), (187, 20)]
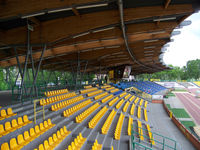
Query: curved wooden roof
[(90, 30)]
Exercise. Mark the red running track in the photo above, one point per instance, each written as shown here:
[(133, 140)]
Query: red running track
[(193, 90), (191, 104)]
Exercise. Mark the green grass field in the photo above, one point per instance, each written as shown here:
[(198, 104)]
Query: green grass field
[(188, 124), (180, 113), (168, 106), (180, 90)]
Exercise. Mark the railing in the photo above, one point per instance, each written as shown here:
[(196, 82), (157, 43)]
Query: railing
[(35, 110), (165, 142)]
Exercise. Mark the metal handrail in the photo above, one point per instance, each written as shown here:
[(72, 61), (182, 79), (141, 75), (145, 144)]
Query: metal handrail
[(163, 143)]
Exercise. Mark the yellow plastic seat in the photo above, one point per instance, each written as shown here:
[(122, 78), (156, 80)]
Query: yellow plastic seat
[(13, 144), (65, 130), (14, 123), (52, 108), (3, 113), (46, 145), (42, 129), (2, 131), (55, 139), (27, 136), (32, 133), (51, 142), (62, 132), (20, 121), (5, 146), (37, 130), (70, 147), (20, 140), (41, 147), (49, 123), (10, 112), (59, 135), (26, 120), (8, 127), (46, 125)]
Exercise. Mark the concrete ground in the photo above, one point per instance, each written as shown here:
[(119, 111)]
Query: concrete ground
[(162, 124)]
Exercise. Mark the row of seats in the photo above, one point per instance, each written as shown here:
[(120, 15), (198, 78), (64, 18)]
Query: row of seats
[(132, 109), (94, 93), (65, 103), (75, 108), (55, 92), (119, 127), (100, 96), (145, 104), (107, 98), (130, 121), (27, 137), (93, 122), (132, 98), (126, 106), (77, 143), (96, 146), (145, 115), (108, 122), (51, 100), (141, 102), (87, 86), (140, 132), (113, 91), (136, 100), (150, 134), (7, 114), (105, 86), (111, 88), (113, 101), (86, 113), (123, 94), (127, 96), (139, 112), (119, 104), (13, 125), (88, 90), (54, 140)]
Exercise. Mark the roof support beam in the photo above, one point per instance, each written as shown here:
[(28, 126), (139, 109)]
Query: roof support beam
[(120, 5), (167, 3)]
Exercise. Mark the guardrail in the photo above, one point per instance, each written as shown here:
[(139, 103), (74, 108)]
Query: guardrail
[(154, 136)]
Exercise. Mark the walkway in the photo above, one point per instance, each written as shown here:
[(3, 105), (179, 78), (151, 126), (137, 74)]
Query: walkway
[(162, 124)]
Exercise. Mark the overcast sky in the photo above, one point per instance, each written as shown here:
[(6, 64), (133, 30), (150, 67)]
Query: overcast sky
[(186, 46)]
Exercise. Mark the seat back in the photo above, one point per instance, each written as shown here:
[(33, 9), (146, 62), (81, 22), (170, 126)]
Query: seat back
[(9, 111), (7, 126), (20, 139), (14, 123), (5, 146), (13, 143), (3, 113), (20, 121)]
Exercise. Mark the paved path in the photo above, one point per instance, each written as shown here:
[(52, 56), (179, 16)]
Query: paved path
[(162, 124), (191, 104)]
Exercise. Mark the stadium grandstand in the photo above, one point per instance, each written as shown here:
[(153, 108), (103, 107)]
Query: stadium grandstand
[(69, 66)]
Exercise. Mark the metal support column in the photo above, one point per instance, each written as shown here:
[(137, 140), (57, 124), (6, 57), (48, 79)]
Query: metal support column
[(38, 68)]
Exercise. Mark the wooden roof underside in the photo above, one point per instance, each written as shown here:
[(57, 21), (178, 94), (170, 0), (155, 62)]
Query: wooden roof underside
[(91, 33)]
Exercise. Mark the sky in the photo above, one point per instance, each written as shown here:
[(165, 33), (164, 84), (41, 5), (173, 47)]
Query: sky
[(186, 46)]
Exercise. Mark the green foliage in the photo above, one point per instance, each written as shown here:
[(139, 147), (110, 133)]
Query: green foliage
[(7, 81), (190, 71)]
